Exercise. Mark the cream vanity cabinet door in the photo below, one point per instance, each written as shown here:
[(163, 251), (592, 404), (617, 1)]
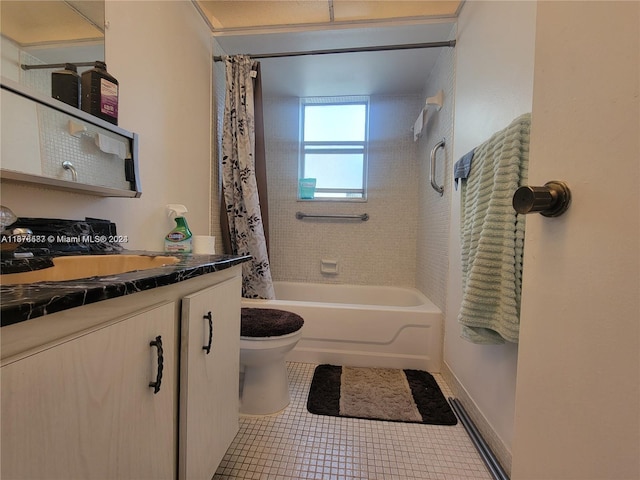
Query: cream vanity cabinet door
[(83, 408), (209, 374)]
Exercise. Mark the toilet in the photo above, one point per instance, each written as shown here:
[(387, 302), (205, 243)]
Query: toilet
[(266, 336)]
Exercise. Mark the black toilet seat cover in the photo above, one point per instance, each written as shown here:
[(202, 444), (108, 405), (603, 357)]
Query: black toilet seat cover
[(268, 322)]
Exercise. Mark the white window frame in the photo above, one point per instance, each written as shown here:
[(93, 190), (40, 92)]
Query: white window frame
[(340, 147)]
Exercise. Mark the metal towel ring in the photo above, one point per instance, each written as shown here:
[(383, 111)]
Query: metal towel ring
[(432, 174)]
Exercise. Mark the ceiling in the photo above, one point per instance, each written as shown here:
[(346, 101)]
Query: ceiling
[(275, 26), (231, 14), (47, 22), (259, 27)]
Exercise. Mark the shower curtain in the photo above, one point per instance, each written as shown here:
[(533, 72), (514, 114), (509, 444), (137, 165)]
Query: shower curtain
[(239, 183)]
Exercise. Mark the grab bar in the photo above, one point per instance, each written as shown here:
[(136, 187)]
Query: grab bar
[(432, 174), (364, 217)]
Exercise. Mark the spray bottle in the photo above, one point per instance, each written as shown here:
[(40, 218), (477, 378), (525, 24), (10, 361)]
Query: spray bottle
[(178, 240)]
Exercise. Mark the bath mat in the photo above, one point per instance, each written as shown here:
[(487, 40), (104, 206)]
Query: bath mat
[(378, 394)]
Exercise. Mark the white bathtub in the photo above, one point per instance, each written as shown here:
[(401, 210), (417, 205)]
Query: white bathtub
[(357, 325)]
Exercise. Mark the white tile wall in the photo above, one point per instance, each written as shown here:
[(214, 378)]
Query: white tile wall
[(94, 167), (216, 149), (433, 213), (405, 242), (381, 251), (57, 145), (37, 79)]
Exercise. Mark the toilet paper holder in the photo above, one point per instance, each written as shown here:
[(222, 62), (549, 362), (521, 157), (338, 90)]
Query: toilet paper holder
[(551, 200)]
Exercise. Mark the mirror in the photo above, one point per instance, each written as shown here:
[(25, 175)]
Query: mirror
[(43, 140), (50, 143), (49, 32)]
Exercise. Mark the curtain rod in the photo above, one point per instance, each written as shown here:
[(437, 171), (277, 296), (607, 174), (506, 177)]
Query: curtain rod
[(381, 48), (56, 65)]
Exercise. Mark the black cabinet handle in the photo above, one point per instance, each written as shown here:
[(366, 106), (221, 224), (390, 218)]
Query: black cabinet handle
[(207, 348), (158, 344)]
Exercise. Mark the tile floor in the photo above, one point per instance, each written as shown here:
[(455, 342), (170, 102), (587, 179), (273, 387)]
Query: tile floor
[(299, 445)]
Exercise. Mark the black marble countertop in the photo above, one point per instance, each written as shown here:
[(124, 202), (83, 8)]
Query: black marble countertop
[(23, 302)]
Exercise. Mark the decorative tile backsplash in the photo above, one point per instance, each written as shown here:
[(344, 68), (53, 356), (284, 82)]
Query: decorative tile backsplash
[(61, 235), (94, 166)]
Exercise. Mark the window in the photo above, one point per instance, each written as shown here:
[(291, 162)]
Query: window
[(333, 146)]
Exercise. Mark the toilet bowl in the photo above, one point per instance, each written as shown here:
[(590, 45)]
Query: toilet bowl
[(267, 335)]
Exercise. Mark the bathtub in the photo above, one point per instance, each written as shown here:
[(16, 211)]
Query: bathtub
[(365, 326)]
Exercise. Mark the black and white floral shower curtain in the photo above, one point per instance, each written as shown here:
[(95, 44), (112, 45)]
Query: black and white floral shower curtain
[(239, 178)]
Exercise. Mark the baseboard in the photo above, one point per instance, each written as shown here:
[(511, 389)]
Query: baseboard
[(497, 446)]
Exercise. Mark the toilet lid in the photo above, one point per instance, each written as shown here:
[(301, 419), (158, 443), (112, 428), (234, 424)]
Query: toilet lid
[(268, 322)]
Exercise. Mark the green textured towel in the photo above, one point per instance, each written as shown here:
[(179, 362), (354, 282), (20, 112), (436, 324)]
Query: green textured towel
[(492, 236)]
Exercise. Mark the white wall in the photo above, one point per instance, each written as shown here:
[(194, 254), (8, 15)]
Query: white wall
[(161, 54), (9, 59), (578, 392), (432, 251), (494, 84)]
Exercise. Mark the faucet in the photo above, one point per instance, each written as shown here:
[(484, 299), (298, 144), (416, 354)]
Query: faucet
[(10, 244), (67, 165), (7, 217)]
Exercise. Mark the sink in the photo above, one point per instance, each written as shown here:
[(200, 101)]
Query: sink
[(84, 266)]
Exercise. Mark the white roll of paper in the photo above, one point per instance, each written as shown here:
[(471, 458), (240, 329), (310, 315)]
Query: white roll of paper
[(204, 244)]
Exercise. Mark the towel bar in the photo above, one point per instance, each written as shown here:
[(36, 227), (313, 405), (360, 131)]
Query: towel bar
[(364, 217), (432, 174)]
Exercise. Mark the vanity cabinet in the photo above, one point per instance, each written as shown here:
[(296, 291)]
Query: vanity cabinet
[(209, 373), (76, 400), (82, 407)]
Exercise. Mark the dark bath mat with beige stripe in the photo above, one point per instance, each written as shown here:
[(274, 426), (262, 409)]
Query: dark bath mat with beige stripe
[(378, 394)]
